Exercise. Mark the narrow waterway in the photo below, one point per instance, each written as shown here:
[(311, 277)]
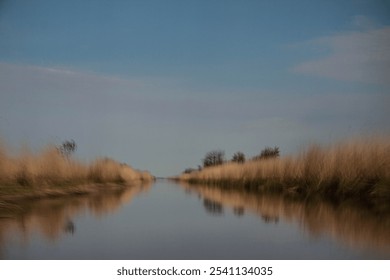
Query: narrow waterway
[(167, 220)]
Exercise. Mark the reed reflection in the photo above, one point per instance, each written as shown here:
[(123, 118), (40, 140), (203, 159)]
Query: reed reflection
[(53, 218), (354, 226)]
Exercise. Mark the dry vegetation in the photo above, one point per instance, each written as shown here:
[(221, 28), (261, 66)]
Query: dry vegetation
[(50, 168), (353, 169)]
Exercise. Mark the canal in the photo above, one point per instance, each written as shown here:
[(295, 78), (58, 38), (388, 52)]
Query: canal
[(167, 220)]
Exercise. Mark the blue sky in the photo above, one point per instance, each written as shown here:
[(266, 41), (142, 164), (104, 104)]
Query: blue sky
[(157, 84)]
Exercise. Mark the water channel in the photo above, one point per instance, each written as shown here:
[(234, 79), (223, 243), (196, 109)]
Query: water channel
[(166, 220)]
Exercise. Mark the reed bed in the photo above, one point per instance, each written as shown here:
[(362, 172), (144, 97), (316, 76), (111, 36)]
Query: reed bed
[(51, 168), (357, 168)]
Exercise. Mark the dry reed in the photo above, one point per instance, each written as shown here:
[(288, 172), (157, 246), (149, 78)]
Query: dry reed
[(357, 168), (50, 168)]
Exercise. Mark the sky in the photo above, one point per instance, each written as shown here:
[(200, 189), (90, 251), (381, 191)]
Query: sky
[(157, 84)]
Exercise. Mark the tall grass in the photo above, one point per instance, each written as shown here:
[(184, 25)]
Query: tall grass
[(356, 168), (50, 168)]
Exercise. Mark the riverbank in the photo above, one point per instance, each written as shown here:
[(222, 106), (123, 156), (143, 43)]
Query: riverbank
[(356, 169), (8, 194), (10, 199), (50, 173)]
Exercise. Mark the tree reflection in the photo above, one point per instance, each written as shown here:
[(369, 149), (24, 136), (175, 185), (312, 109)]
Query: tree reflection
[(54, 217), (213, 207), (354, 225), (239, 211), (270, 219), (69, 227)]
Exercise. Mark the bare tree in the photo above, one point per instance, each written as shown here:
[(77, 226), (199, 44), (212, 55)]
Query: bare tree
[(238, 157), (189, 170), (215, 157), (268, 153), (67, 148)]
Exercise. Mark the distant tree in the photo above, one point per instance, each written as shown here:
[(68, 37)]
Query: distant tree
[(67, 148), (215, 157), (189, 170), (238, 157), (268, 153)]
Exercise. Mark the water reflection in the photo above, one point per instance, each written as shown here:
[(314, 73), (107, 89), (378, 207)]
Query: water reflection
[(353, 226), (239, 211), (213, 207), (69, 227), (53, 218)]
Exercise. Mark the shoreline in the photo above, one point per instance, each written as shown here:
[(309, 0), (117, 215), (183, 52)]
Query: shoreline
[(374, 203), (53, 172), (31, 193), (357, 169)]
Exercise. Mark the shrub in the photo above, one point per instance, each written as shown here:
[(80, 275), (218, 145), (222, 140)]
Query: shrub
[(238, 157), (67, 148), (268, 152), (212, 158), (189, 170)]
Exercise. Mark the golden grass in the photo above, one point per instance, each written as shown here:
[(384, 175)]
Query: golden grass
[(356, 168), (50, 168)]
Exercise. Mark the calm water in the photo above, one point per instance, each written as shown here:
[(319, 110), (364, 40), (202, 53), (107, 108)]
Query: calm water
[(170, 221)]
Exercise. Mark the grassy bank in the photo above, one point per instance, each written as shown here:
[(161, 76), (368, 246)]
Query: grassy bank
[(353, 169), (50, 172)]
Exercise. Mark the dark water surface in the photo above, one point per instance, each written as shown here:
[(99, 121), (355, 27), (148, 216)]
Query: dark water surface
[(171, 221)]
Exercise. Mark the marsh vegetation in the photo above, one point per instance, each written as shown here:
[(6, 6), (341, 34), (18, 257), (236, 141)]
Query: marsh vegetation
[(311, 205), (356, 169), (53, 171)]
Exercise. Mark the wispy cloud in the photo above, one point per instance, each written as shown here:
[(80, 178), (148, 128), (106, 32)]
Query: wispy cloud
[(58, 77), (358, 56)]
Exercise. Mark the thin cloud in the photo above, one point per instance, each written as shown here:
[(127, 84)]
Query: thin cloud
[(17, 72), (359, 56)]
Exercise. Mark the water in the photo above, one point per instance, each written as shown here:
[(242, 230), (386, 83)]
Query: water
[(171, 221)]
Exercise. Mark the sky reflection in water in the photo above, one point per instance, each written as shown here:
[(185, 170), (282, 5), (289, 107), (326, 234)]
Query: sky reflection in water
[(172, 221)]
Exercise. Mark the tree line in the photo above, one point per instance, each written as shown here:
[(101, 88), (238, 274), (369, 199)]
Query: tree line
[(217, 157)]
